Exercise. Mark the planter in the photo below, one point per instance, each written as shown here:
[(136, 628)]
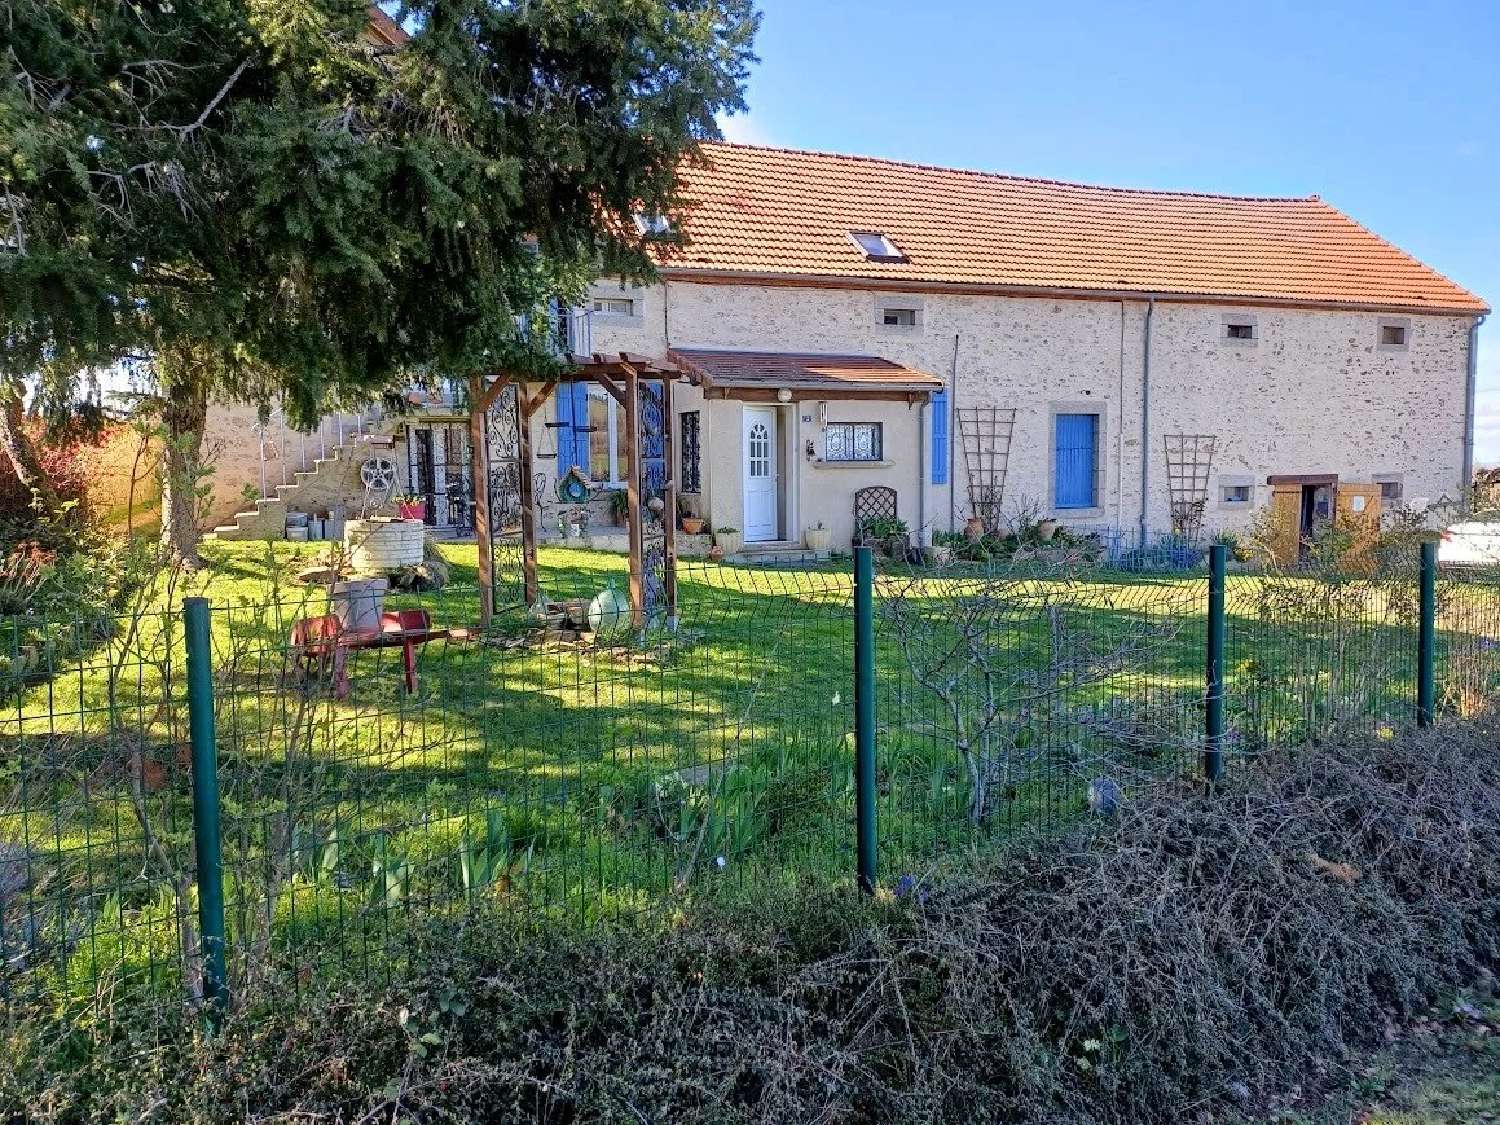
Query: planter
[(692, 525), (359, 602), (716, 553), (937, 556), (818, 538), (384, 544), (412, 510), (731, 541), (1046, 529), (974, 529), (896, 546)]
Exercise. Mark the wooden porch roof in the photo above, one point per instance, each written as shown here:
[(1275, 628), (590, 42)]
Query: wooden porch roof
[(757, 374)]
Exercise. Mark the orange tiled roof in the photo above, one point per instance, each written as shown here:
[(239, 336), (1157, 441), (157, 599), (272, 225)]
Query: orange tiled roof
[(788, 213), (815, 371)]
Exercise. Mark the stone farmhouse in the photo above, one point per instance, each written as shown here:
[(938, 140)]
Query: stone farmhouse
[(949, 343)]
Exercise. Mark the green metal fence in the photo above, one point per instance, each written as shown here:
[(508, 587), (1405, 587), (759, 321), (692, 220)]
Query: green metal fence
[(203, 800)]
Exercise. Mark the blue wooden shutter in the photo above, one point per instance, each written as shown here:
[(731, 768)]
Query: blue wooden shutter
[(572, 410), (940, 437), (1074, 448)]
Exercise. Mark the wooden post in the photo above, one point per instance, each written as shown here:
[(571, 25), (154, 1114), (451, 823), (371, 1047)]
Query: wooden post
[(633, 495), (525, 408), (669, 513), (479, 469)]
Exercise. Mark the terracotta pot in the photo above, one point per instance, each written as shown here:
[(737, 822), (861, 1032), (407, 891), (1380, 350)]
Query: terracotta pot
[(691, 525), (974, 529), (1046, 529)]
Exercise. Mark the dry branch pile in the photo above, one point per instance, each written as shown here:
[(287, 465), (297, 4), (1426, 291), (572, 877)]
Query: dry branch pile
[(1193, 953)]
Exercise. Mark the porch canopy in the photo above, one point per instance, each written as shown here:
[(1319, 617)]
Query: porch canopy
[(643, 388), (756, 376)]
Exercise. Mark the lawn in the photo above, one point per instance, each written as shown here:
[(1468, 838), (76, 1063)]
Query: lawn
[(584, 782)]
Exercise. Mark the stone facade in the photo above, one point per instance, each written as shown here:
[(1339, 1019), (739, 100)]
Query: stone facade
[(1315, 392)]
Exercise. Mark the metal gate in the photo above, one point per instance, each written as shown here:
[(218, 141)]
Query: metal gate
[(439, 470)]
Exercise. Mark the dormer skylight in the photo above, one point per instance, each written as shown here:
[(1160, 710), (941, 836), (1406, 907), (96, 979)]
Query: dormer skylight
[(877, 247), (654, 225)]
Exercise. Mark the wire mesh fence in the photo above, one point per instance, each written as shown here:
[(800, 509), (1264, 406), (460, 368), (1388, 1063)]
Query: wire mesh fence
[(558, 767)]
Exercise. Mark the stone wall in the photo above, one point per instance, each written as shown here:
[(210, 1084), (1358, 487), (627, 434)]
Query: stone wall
[(1313, 394)]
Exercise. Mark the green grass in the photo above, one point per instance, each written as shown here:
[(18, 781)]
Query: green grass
[(587, 782)]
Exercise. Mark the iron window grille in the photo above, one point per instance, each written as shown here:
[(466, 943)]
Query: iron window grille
[(692, 480), (854, 441)]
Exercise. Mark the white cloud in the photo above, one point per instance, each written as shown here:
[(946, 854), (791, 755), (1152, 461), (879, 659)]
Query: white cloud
[(744, 128)]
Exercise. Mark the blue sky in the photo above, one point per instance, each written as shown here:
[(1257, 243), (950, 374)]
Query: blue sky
[(1389, 111)]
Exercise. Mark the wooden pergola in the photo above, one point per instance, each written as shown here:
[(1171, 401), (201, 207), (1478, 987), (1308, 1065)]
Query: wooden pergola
[(621, 377)]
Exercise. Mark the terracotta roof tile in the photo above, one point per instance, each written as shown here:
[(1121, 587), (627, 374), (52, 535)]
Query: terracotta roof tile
[(719, 367), (788, 213)]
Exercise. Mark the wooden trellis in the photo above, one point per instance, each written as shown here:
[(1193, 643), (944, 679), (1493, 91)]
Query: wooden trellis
[(1190, 459), (986, 432)]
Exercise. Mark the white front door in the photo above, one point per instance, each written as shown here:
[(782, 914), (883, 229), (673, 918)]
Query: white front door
[(760, 473)]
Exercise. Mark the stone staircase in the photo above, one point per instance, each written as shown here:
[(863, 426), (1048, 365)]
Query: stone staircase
[(327, 480)]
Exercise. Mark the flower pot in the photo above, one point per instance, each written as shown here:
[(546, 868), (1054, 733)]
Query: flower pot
[(818, 538), (716, 553), (1046, 529), (896, 546), (731, 541), (358, 603), (974, 529), (412, 509), (692, 525), (384, 544)]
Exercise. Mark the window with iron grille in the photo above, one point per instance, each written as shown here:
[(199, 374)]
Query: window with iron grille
[(691, 478), (853, 441)]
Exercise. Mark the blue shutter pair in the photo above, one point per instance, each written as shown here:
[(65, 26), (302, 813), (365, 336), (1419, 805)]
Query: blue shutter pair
[(1075, 445), (940, 437), (572, 412)]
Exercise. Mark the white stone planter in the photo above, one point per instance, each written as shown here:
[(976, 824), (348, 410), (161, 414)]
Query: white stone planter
[(382, 544), (731, 541), (818, 538), (358, 603)]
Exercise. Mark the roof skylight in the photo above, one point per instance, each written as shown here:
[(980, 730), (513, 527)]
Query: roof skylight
[(877, 247)]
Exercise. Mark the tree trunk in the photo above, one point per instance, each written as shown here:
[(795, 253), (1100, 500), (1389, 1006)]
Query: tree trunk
[(183, 416), (18, 448)]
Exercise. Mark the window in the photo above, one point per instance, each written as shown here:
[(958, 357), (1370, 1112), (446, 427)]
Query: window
[(692, 472), (853, 441), (1241, 329), (1394, 334), (1075, 461), (1390, 491), (1235, 494), (654, 226), (614, 306), (899, 318), (877, 247), (589, 430)]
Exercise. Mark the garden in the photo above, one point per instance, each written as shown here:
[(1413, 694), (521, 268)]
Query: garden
[(586, 779)]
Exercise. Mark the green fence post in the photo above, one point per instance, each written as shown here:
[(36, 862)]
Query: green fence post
[(1213, 710), (1427, 637), (206, 846), (864, 714)]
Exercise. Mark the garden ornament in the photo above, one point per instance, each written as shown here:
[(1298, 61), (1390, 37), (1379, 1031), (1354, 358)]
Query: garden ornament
[(1104, 797)]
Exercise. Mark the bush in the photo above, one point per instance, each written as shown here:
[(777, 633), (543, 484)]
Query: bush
[(1154, 968)]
